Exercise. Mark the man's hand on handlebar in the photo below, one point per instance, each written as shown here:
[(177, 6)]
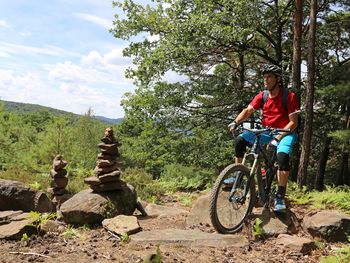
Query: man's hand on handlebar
[(274, 142), (232, 126)]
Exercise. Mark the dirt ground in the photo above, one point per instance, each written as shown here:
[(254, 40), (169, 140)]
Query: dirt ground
[(97, 245)]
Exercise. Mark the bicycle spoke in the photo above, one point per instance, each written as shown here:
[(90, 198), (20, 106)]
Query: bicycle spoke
[(229, 207)]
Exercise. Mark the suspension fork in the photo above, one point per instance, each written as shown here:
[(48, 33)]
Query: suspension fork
[(250, 177)]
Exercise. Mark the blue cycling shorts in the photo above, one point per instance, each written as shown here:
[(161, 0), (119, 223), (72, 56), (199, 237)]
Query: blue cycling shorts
[(285, 145)]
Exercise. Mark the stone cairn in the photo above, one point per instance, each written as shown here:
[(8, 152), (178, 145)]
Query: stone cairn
[(108, 167), (58, 182)]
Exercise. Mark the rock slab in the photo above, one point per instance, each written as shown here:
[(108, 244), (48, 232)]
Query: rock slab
[(164, 211), (188, 238), (18, 224), (298, 244), (122, 225)]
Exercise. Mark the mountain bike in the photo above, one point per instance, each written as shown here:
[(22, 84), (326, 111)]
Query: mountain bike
[(230, 205)]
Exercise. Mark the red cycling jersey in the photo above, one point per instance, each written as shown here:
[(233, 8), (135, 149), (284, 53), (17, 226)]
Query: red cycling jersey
[(273, 113)]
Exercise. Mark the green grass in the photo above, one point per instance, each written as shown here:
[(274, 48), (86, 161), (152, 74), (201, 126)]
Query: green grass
[(38, 181), (341, 255), (332, 198), (70, 232)]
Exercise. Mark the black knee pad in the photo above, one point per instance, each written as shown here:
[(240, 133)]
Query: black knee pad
[(240, 146), (283, 161)]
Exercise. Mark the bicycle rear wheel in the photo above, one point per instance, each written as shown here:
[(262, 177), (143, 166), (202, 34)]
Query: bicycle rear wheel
[(228, 209)]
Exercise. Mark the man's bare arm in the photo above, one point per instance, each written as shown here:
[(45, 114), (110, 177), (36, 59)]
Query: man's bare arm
[(245, 114)]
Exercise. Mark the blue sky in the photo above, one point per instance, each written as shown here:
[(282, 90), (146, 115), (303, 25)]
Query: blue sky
[(59, 53)]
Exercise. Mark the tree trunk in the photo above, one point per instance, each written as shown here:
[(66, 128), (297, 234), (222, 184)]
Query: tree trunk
[(343, 176), (297, 36), (319, 184), (344, 171), (306, 142)]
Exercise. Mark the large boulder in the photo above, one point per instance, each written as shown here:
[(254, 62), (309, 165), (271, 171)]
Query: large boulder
[(17, 196), (274, 224), (330, 225), (88, 207)]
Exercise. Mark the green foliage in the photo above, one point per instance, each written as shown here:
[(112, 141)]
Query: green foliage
[(339, 256), (108, 209), (36, 186), (338, 197), (146, 188), (25, 240), (76, 178), (26, 177), (124, 238), (70, 232), (186, 198), (176, 177), (342, 136), (258, 231), (41, 218)]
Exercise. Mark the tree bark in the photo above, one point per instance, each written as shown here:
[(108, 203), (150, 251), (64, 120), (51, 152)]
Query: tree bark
[(297, 36), (306, 142), (343, 176), (319, 182)]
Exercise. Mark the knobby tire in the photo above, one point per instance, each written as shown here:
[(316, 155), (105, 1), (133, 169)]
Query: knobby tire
[(213, 203)]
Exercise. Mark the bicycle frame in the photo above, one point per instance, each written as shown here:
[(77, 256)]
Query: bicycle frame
[(257, 151)]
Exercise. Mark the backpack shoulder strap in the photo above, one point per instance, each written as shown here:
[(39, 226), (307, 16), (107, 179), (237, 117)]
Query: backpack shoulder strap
[(285, 99), (265, 94)]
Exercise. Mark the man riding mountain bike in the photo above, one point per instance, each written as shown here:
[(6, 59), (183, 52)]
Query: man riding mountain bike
[(279, 110)]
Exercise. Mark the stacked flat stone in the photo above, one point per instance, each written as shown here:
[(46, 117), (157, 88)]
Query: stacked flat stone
[(108, 166), (58, 181)]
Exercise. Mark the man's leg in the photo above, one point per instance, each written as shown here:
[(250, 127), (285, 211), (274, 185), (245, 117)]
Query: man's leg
[(238, 159), (282, 178), (284, 149), (240, 147)]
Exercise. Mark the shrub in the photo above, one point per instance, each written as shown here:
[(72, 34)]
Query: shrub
[(332, 197), (177, 177), (146, 188), (76, 178)]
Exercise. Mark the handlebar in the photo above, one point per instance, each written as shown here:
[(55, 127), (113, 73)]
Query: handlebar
[(262, 130), (269, 129)]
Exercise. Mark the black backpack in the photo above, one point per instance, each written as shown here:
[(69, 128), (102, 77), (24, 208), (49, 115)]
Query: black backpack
[(284, 98)]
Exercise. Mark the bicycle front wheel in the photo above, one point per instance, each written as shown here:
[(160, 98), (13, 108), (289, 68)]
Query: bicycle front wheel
[(228, 206)]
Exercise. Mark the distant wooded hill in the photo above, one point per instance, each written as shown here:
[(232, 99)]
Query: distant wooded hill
[(27, 107)]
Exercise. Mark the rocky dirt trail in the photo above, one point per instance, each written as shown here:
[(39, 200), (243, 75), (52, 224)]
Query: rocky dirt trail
[(169, 230)]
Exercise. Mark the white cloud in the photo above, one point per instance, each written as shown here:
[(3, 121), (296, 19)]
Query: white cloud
[(4, 23), (11, 48), (68, 72), (25, 88), (114, 57), (93, 58), (25, 33), (73, 97), (100, 21), (4, 54), (73, 73)]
